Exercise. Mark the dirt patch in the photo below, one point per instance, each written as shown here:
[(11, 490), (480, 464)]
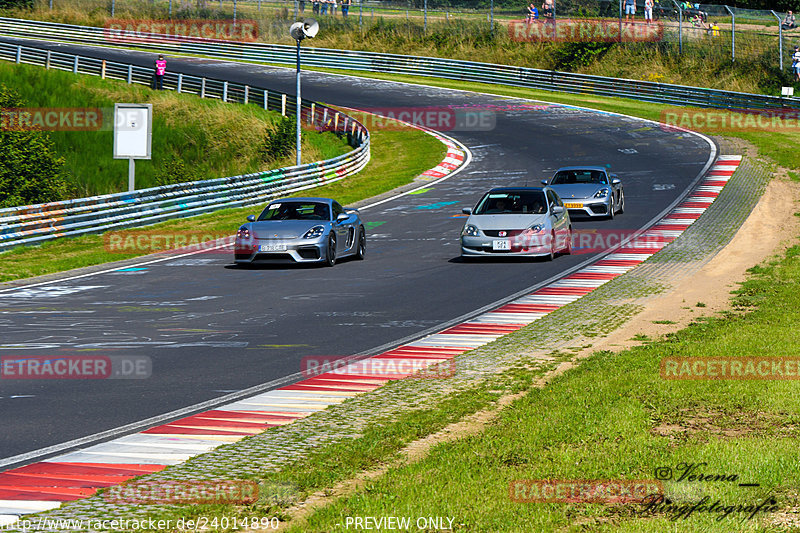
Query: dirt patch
[(704, 425)]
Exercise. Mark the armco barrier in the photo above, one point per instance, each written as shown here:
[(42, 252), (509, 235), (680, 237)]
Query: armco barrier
[(664, 93), (37, 223)]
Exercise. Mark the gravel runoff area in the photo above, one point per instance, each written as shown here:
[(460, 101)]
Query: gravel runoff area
[(537, 346)]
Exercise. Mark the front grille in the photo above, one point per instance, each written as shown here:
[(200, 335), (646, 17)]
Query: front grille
[(496, 232), (599, 209)]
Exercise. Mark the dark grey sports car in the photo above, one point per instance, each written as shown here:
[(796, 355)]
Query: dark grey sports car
[(301, 230), (589, 191)]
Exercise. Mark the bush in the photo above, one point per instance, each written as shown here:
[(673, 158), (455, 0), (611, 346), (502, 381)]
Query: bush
[(173, 171), (280, 142), (30, 170)]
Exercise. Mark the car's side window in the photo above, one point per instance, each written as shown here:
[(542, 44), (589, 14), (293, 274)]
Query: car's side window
[(337, 209), (551, 199)]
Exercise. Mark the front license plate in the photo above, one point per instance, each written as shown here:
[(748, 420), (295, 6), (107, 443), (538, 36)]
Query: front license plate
[(501, 245), (573, 206), (271, 247)]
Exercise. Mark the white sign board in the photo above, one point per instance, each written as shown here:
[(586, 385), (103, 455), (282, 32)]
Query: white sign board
[(133, 131), (787, 91)]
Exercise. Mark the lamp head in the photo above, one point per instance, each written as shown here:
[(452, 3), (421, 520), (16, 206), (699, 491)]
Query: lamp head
[(304, 30)]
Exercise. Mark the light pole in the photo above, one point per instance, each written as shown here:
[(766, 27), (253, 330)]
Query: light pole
[(299, 31)]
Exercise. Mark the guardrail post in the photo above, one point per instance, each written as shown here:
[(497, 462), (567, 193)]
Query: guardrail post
[(130, 74), (180, 82), (103, 70), (733, 34), (266, 99), (780, 38), (325, 117), (336, 123), (246, 93), (425, 17), (491, 16), (283, 105), (313, 117), (75, 65), (202, 88), (361, 13), (224, 91), (113, 6), (47, 60), (19, 55), (170, 8)]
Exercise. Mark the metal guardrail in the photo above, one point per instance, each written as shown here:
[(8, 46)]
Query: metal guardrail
[(679, 95), (38, 223)]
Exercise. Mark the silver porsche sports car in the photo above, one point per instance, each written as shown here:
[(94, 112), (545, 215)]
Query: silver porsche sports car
[(529, 221), (589, 191), (301, 230)]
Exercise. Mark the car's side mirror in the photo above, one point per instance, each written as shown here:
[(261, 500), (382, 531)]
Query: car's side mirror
[(467, 210), (251, 218), (615, 181), (342, 217), (544, 182), (557, 209)]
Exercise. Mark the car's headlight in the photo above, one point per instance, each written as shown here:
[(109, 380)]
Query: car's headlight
[(470, 231), (536, 228), (243, 233), (602, 193), (314, 232)]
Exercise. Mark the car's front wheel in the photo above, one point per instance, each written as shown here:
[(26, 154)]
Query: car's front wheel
[(621, 201), (330, 253), (362, 244)]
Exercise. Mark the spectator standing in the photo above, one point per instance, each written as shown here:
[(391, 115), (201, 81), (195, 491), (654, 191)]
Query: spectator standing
[(630, 9), (346, 7), (548, 8), (333, 7), (323, 7), (788, 21), (315, 7), (302, 4), (648, 11), (796, 62), (161, 69)]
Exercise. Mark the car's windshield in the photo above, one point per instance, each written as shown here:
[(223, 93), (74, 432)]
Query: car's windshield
[(513, 203), (296, 211), (565, 177)]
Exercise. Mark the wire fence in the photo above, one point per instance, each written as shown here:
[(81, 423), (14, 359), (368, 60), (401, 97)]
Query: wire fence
[(34, 224)]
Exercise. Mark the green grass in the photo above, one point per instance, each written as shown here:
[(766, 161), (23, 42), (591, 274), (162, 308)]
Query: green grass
[(398, 156), (212, 138), (613, 417)]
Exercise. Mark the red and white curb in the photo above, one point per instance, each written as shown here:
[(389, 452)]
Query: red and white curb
[(45, 485)]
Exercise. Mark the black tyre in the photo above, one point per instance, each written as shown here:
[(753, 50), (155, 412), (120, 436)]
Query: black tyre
[(330, 254), (568, 247), (552, 253), (621, 201), (362, 244)]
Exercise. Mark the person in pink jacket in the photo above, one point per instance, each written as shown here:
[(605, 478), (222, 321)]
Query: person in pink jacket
[(161, 69)]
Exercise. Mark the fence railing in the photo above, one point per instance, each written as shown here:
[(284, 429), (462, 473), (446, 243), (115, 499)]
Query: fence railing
[(38, 223), (453, 69)]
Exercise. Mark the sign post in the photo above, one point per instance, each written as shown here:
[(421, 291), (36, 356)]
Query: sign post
[(133, 133)]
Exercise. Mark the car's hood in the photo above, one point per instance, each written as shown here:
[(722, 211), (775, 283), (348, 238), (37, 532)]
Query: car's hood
[(577, 190), (493, 222), (283, 229)]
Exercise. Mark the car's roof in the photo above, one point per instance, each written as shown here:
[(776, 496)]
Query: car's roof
[(322, 200), (516, 189), (583, 167)]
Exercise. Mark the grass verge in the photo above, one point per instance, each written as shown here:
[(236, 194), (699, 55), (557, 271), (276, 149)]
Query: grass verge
[(398, 155), (614, 417)]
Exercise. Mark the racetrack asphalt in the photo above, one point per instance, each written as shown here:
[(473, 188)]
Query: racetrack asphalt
[(210, 328)]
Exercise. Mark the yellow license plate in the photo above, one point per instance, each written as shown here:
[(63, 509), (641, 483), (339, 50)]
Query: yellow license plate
[(574, 206)]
